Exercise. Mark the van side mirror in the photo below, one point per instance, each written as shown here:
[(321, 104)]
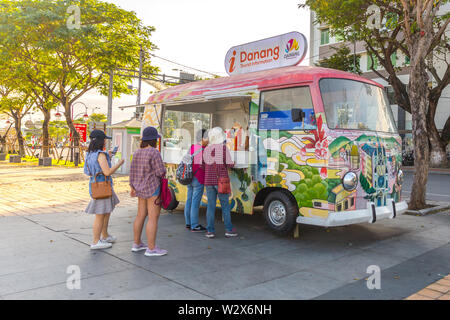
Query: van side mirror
[(297, 115)]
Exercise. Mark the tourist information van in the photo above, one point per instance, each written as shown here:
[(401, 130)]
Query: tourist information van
[(310, 145)]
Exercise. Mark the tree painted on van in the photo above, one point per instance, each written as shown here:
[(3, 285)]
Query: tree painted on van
[(370, 191), (245, 182)]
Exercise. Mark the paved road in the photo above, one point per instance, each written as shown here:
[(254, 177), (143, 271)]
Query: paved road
[(34, 190), (411, 251), (438, 186)]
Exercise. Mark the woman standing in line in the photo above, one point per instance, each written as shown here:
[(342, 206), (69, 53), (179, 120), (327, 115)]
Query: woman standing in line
[(147, 170), (196, 187), (99, 161), (217, 159)]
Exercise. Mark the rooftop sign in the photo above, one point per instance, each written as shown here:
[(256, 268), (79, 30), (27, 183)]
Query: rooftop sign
[(281, 51)]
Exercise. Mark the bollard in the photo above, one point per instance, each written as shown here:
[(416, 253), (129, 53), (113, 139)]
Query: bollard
[(46, 162), (15, 159)]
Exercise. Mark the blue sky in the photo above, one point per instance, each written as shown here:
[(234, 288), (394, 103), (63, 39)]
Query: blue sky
[(198, 33)]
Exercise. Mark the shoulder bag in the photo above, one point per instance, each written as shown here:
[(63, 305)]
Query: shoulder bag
[(223, 185), (102, 189)]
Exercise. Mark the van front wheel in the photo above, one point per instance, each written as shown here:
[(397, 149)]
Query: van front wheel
[(280, 211)]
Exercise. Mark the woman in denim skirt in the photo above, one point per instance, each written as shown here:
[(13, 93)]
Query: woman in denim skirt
[(99, 161)]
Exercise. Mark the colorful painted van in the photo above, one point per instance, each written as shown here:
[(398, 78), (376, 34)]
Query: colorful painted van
[(320, 145)]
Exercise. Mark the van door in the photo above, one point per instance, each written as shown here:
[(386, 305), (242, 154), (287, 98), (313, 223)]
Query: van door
[(281, 112)]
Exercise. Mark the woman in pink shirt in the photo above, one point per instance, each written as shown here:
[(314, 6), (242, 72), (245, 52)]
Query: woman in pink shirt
[(195, 188)]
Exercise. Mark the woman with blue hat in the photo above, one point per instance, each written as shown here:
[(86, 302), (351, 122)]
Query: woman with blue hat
[(98, 167), (147, 170)]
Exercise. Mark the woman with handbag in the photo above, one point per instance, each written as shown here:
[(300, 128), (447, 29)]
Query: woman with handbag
[(217, 160), (103, 198), (146, 172)]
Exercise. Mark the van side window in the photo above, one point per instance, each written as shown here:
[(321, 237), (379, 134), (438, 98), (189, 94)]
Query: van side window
[(287, 109)]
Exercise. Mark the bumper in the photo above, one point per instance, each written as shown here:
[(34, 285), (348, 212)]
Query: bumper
[(370, 215)]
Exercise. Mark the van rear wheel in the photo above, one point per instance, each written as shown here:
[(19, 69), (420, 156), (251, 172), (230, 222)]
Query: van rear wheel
[(280, 211)]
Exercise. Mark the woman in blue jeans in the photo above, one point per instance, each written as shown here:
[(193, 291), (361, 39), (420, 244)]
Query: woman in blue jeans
[(217, 160), (195, 188)]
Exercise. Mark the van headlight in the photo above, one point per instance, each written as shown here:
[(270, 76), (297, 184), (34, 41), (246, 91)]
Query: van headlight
[(400, 176), (350, 181)]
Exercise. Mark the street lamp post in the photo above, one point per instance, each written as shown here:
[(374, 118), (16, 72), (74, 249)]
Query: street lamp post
[(86, 111), (58, 115)]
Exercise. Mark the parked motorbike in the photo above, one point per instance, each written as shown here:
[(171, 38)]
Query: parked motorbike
[(408, 158)]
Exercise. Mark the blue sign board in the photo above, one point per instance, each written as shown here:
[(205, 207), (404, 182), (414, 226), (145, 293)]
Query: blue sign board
[(282, 120)]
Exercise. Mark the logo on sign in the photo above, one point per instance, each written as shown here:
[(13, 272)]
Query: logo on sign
[(266, 54), (291, 45), (292, 49)]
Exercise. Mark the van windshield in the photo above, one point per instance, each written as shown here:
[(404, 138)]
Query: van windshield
[(351, 104)]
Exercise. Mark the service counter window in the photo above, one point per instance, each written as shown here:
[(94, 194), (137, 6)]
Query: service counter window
[(180, 130), (287, 109)]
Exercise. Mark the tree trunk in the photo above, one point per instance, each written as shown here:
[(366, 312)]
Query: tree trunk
[(3, 141), (18, 125), (438, 156), (419, 103), (45, 135), (3, 144), (75, 135)]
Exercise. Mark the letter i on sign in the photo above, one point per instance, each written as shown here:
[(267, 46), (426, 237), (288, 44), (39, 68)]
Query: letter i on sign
[(232, 62)]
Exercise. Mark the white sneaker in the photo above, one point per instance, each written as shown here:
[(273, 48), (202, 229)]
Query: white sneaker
[(101, 245), (110, 239)]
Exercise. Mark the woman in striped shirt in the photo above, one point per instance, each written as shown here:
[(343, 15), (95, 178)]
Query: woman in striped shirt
[(217, 160)]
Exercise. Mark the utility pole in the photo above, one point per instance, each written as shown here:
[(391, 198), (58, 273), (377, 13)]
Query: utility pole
[(354, 55), (109, 115), (354, 50), (141, 58)]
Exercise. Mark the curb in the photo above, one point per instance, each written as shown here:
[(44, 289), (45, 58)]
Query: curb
[(430, 170), (427, 211)]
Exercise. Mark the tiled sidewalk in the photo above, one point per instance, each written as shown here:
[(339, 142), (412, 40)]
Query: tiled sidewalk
[(34, 190), (440, 290)]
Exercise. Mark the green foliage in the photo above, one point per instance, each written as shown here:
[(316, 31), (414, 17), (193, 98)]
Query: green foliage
[(274, 180), (291, 165), (343, 60), (311, 188), (41, 51), (256, 187), (58, 130), (365, 184), (97, 117), (239, 206), (332, 183)]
